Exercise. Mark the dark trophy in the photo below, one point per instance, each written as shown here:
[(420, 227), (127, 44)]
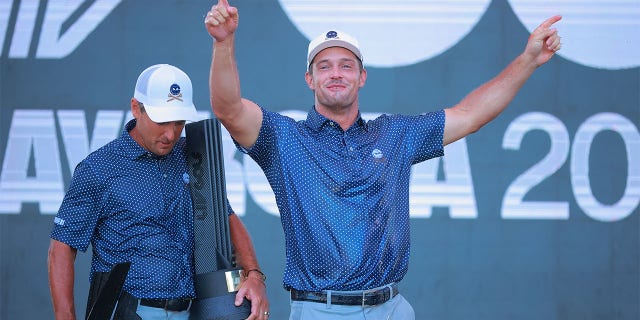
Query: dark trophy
[(216, 277)]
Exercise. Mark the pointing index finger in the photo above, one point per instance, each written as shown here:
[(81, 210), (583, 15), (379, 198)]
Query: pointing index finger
[(547, 23)]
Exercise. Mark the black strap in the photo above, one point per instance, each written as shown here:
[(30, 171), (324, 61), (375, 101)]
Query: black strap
[(108, 287)]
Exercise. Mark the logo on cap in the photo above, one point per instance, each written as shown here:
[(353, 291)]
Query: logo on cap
[(331, 35), (174, 93)]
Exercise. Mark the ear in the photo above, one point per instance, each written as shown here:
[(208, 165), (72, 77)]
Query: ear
[(363, 77), (135, 108), (308, 77)]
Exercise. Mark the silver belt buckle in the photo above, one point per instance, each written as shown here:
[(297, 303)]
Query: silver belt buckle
[(364, 297)]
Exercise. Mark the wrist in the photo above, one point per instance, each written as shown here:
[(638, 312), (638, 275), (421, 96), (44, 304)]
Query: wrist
[(254, 273)]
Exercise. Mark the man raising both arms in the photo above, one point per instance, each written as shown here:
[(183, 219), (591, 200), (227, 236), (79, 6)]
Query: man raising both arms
[(342, 183)]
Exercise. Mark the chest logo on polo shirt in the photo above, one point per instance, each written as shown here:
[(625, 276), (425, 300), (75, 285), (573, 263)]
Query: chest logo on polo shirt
[(378, 156)]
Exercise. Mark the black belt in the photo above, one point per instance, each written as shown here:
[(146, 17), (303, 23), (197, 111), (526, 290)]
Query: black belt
[(167, 304), (361, 298)]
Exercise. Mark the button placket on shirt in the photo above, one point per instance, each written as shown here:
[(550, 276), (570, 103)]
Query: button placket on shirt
[(355, 167), (162, 167), (162, 170)]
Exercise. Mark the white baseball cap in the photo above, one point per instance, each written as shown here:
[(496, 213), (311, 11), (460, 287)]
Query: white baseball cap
[(333, 38), (166, 93)]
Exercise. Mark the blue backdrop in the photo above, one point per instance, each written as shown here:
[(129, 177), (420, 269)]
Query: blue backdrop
[(533, 217)]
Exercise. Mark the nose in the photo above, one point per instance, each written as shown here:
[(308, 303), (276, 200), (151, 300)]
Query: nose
[(169, 133), (172, 131), (335, 73)]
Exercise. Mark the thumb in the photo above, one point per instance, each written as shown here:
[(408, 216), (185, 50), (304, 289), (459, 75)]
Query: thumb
[(240, 297)]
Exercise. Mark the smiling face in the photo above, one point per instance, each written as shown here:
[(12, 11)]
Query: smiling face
[(157, 138), (336, 76)]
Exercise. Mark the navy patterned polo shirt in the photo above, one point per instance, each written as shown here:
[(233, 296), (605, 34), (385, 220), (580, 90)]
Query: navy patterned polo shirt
[(132, 205), (343, 196)]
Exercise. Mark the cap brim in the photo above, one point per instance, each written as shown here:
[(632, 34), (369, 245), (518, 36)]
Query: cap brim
[(168, 114), (333, 43)]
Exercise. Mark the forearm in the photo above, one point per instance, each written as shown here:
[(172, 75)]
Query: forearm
[(486, 102), (61, 277), (241, 117), (224, 80), (244, 251)]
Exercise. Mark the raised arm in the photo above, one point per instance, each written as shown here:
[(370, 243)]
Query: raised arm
[(241, 117), (487, 101)]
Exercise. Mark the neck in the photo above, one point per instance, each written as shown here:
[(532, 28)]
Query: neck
[(136, 137), (345, 117)]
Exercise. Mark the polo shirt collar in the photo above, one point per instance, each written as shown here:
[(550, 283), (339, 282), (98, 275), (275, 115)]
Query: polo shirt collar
[(315, 120), (130, 148)]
